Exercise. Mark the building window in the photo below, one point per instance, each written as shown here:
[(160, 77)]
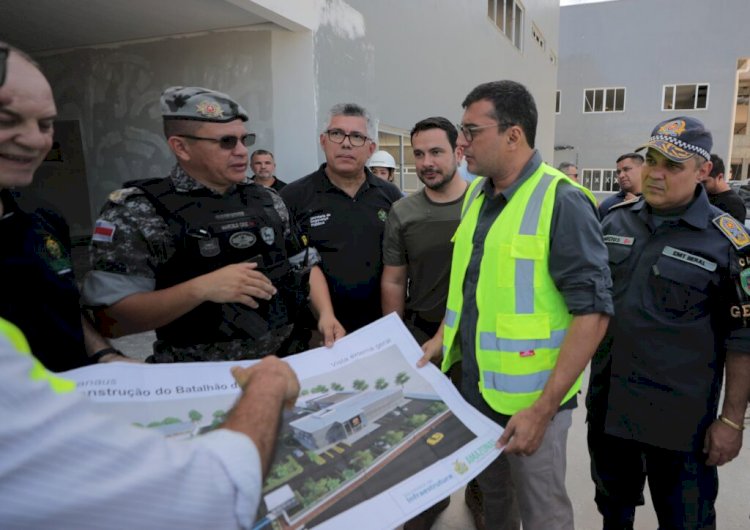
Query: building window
[(398, 143), (557, 102), (552, 57), (742, 109), (600, 180), (685, 97), (507, 15), (536, 34), (604, 100)]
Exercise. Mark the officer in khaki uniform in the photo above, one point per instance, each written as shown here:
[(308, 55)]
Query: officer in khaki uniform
[(206, 257), (680, 286)]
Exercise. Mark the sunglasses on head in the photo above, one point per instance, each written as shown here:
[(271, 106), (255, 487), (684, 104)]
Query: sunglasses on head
[(225, 142)]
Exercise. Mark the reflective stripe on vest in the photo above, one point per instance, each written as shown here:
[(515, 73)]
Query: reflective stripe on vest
[(516, 384), (490, 341), (38, 372), (525, 267), (450, 317)]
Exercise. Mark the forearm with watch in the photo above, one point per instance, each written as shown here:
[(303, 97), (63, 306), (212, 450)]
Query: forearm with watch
[(98, 349)]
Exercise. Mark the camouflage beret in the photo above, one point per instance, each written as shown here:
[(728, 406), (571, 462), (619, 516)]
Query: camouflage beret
[(202, 104)]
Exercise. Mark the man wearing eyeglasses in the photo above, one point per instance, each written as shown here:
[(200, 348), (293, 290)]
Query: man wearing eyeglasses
[(528, 301), (342, 208), (569, 169), (208, 259)]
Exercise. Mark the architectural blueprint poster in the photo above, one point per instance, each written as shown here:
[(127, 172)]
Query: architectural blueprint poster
[(371, 442)]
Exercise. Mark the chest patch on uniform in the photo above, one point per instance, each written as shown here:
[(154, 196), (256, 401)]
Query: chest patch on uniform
[(209, 247), (620, 240), (382, 215), (319, 220), (268, 235), (242, 240), (733, 230), (104, 231), (57, 258), (681, 255), (745, 281)]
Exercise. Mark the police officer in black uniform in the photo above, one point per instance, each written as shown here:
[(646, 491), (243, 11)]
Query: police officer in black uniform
[(39, 292), (206, 257), (682, 306)]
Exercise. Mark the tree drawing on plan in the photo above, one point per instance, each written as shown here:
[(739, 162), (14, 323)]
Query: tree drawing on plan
[(195, 416), (381, 383), (320, 389), (337, 387), (402, 378), (360, 384)]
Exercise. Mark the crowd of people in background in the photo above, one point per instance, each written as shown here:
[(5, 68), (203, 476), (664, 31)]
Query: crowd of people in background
[(513, 284)]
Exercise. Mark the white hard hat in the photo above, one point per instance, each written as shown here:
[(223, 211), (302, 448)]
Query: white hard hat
[(381, 159)]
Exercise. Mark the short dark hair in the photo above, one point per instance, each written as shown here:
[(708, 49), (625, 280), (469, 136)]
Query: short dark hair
[(718, 165), (565, 165), (633, 156), (437, 122), (258, 152), (174, 127), (513, 103)]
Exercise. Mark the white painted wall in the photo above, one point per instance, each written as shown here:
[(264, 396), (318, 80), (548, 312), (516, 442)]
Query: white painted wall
[(421, 58)]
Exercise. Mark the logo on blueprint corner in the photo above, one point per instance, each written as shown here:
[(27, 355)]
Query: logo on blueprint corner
[(460, 467)]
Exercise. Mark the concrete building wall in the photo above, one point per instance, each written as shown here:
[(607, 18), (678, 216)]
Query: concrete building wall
[(422, 62), (415, 59), (113, 93), (642, 45)]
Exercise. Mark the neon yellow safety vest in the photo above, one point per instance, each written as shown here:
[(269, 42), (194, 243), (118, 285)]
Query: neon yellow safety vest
[(522, 317), (38, 371)]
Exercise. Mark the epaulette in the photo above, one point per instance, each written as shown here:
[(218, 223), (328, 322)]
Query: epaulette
[(119, 196), (733, 230), (625, 203)]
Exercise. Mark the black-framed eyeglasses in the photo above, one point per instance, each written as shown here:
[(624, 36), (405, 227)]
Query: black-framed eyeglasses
[(469, 130), (4, 52), (338, 136), (225, 142)]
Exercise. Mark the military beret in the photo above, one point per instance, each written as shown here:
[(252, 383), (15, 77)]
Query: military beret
[(201, 104)]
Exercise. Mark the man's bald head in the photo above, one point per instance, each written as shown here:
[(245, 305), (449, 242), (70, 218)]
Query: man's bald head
[(27, 113)]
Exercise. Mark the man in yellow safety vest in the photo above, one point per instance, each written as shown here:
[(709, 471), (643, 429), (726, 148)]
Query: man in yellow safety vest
[(529, 301)]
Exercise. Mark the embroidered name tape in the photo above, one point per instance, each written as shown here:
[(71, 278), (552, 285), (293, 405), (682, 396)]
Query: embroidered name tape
[(620, 240), (681, 255)]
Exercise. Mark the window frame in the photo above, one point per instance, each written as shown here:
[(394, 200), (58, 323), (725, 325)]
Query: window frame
[(588, 172), (604, 91), (558, 101), (695, 95), (513, 14)]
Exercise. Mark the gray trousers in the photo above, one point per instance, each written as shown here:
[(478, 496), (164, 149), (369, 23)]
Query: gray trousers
[(534, 484)]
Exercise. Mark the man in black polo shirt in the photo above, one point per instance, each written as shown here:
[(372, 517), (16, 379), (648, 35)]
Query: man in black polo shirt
[(342, 208), (720, 194)]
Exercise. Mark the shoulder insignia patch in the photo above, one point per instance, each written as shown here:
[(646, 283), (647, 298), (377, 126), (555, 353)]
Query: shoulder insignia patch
[(119, 196), (624, 203), (733, 230)]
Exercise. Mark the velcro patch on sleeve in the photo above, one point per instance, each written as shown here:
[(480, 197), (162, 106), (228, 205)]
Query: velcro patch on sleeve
[(732, 230), (104, 231)]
